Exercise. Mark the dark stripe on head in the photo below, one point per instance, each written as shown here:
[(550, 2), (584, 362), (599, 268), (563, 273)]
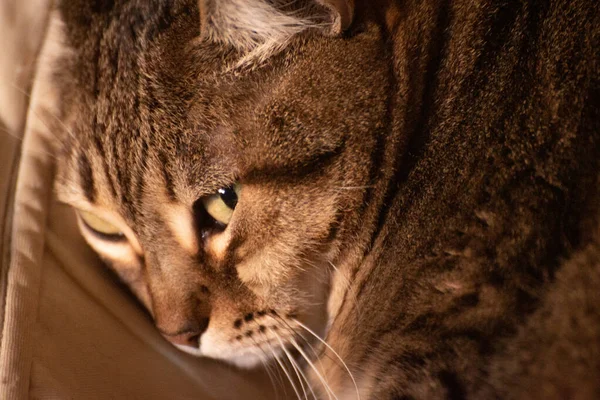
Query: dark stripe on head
[(142, 164), (86, 178), (98, 129), (102, 153), (136, 146), (121, 170), (167, 176)]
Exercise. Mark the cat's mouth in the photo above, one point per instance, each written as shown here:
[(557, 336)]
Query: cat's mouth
[(248, 351), (263, 341)]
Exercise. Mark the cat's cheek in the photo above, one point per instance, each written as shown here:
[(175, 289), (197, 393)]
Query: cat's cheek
[(261, 273)]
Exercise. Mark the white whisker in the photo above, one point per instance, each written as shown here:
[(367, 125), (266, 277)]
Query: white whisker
[(330, 392), (10, 133), (279, 377), (32, 110), (285, 371), (296, 368), (268, 371), (49, 112), (29, 152), (333, 351), (296, 333), (264, 360), (29, 96)]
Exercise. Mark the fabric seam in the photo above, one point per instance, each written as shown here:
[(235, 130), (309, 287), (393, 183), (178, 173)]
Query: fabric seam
[(7, 234)]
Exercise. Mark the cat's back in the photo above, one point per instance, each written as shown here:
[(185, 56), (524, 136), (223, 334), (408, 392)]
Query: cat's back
[(492, 220)]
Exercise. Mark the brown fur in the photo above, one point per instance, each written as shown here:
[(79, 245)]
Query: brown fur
[(431, 174)]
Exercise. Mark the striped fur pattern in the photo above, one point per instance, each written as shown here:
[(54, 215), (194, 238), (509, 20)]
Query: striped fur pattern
[(419, 214)]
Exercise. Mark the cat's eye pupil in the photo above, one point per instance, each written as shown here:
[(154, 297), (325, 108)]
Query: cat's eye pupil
[(229, 197), (214, 212)]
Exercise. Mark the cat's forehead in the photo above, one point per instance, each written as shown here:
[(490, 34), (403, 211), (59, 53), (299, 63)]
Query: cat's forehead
[(149, 102), (130, 81)]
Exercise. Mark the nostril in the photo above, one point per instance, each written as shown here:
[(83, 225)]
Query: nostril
[(185, 339), (202, 325), (190, 336)]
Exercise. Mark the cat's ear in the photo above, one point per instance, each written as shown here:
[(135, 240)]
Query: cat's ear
[(260, 26)]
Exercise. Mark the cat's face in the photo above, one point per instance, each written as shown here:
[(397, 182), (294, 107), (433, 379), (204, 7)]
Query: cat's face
[(223, 197)]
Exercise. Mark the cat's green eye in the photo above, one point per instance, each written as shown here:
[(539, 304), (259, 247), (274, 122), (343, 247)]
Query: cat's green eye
[(100, 226), (220, 205)]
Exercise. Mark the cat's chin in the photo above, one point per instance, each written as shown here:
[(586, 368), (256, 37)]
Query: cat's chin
[(245, 360)]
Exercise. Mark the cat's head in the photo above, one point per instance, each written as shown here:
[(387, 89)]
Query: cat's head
[(222, 176)]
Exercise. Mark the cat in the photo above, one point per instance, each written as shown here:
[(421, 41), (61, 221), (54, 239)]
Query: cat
[(399, 197)]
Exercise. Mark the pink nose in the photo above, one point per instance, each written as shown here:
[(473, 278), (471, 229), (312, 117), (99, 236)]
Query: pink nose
[(188, 336)]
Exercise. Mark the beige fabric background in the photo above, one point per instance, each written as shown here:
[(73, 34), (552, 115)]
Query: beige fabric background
[(66, 331)]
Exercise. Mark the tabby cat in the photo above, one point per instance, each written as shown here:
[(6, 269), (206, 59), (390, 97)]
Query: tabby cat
[(399, 197)]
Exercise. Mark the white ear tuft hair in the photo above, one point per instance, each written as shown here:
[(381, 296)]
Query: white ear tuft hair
[(261, 28)]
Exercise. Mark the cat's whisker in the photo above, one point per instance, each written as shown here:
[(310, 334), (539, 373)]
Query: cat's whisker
[(306, 328), (307, 342), (321, 278), (310, 387), (280, 379), (10, 133), (29, 151), (295, 366), (330, 391), (310, 263), (288, 326), (40, 154), (300, 268), (298, 334), (264, 361), (49, 112), (277, 373), (270, 374), (50, 132), (285, 371)]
